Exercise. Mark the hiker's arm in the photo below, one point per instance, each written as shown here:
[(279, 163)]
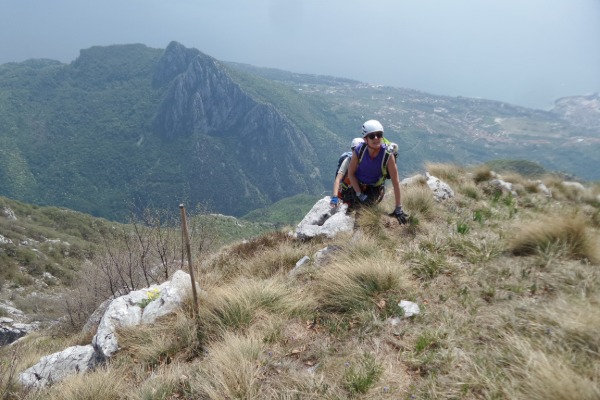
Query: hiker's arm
[(340, 174), (393, 170), (352, 174), (336, 184)]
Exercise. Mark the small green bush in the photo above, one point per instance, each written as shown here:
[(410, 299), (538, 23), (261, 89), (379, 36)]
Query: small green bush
[(426, 265), (462, 227), (361, 375)]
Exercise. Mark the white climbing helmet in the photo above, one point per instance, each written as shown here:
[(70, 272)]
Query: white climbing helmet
[(371, 126), (356, 142)]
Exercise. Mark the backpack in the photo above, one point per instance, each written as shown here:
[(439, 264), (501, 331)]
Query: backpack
[(341, 160)]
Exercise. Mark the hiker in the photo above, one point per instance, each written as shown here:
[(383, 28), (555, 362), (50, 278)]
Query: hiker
[(343, 163), (371, 162)]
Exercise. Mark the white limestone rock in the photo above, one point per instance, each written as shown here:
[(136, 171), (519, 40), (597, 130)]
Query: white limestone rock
[(409, 308), (56, 367), (441, 190), (503, 185), (140, 306), (324, 220)]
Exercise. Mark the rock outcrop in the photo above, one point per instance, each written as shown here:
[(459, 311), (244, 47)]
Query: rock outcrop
[(441, 190), (10, 330), (55, 367), (324, 220), (503, 186), (138, 307)]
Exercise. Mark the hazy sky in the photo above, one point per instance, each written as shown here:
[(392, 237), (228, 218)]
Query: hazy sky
[(526, 52)]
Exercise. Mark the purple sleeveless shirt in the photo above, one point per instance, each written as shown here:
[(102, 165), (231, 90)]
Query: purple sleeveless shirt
[(369, 169)]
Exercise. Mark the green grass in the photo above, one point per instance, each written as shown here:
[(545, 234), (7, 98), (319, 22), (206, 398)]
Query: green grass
[(362, 374)]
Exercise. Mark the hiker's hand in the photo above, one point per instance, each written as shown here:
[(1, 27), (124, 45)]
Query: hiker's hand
[(400, 215), (362, 197), (334, 202)]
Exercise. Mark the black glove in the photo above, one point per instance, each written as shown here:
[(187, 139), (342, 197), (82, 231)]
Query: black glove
[(400, 215)]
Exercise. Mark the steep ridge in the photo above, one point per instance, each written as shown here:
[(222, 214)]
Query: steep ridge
[(129, 124), (260, 151)]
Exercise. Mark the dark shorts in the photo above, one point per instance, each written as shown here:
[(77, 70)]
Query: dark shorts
[(374, 195)]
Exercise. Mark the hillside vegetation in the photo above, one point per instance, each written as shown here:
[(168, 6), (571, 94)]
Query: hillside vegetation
[(508, 288), (47, 252), (288, 211), (155, 127)]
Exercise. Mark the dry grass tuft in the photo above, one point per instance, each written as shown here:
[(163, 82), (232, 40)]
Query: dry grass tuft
[(352, 285), (362, 374), (254, 246), (595, 217), (574, 322), (563, 192), (237, 306), (470, 190), (482, 173), (362, 246), (532, 186), (545, 376), (369, 221), (275, 262), (450, 173), (275, 255), (161, 342), (475, 249), (101, 384), (514, 178), (557, 234), (8, 372), (170, 382), (419, 202), (427, 265), (231, 370)]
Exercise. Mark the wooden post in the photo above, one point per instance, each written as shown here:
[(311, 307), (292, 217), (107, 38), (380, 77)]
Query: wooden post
[(189, 255)]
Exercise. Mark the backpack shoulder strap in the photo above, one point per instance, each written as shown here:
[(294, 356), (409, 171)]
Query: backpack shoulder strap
[(384, 161), (361, 152), (386, 158)]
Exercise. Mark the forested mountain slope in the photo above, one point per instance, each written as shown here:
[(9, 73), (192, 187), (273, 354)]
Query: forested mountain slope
[(128, 125)]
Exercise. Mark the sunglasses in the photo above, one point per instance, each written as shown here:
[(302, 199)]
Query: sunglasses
[(374, 136)]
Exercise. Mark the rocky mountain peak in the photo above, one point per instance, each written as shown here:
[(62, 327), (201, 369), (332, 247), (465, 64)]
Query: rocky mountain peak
[(202, 100), (174, 61), (201, 96)]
